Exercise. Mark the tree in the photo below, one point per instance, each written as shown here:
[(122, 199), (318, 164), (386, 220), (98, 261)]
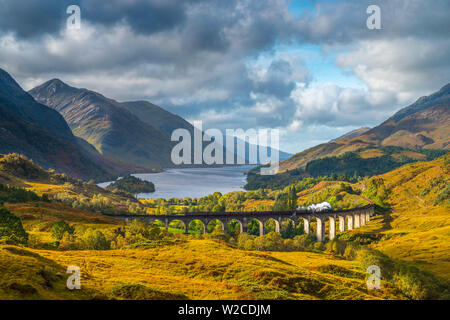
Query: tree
[(281, 203), (59, 228), (289, 231), (95, 240), (272, 241), (292, 198), (67, 242), (11, 228), (218, 208)]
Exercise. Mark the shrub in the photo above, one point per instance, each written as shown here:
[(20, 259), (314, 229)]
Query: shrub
[(417, 284), (95, 240), (443, 195), (218, 234), (59, 228), (319, 246), (272, 242), (303, 241), (11, 228), (369, 257), (337, 246), (340, 271), (139, 231), (351, 251), (141, 292), (68, 242)]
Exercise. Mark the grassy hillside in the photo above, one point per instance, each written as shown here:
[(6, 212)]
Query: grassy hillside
[(415, 198), (189, 269), (18, 171), (25, 274), (144, 262), (419, 225), (349, 166)]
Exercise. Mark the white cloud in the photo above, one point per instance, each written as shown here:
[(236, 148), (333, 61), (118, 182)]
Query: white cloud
[(217, 60), (406, 68)]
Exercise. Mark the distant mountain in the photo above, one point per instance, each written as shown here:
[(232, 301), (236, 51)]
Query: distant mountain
[(168, 122), (34, 130), (423, 125), (157, 117), (136, 132), (109, 126), (352, 134)]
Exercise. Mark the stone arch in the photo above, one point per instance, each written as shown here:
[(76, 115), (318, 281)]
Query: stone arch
[(230, 224), (209, 226), (275, 221), (287, 221), (185, 225), (158, 222), (202, 226), (259, 223)]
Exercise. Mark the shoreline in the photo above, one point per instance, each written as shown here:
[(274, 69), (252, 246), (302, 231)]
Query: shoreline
[(180, 180)]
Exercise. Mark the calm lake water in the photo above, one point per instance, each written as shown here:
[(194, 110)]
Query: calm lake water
[(193, 183)]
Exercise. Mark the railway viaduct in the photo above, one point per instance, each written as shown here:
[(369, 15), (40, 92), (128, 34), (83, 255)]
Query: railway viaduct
[(345, 219)]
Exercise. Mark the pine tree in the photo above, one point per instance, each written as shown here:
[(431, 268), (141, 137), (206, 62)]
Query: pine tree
[(292, 198)]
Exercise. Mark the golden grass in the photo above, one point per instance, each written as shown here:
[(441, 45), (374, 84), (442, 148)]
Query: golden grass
[(416, 230), (409, 154), (371, 153), (205, 269), (25, 274)]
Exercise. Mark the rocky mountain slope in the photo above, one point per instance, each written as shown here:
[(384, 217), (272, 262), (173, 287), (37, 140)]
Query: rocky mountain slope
[(423, 125), (136, 132), (113, 130), (352, 134), (157, 117), (32, 129)]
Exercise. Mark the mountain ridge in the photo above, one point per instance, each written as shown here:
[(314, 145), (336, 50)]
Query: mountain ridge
[(35, 130), (352, 134), (422, 125), (103, 122)]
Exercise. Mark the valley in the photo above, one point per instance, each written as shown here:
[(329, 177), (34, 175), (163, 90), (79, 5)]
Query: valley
[(138, 261), (51, 219)]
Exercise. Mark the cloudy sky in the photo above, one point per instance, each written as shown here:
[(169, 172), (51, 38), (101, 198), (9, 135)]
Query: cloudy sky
[(309, 68)]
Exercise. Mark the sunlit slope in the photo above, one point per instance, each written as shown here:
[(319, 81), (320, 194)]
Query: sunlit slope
[(204, 269), (420, 219), (422, 125), (25, 274), (416, 225), (18, 171)]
